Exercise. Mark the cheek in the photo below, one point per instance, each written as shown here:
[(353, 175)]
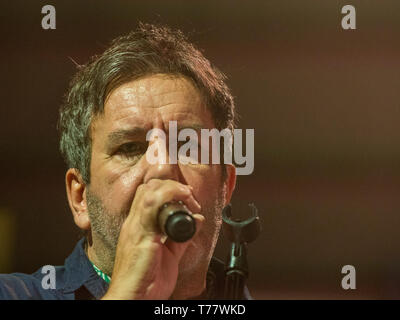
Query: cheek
[(119, 187), (205, 180)]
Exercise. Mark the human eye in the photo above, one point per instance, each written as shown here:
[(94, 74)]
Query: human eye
[(131, 150)]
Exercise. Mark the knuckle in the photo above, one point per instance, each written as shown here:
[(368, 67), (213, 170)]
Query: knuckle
[(153, 183), (140, 188), (157, 192), (149, 200)]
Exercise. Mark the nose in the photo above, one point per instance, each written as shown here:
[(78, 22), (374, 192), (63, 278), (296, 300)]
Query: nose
[(163, 172), (162, 169)]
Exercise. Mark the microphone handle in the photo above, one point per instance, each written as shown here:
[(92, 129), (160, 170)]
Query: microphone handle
[(175, 221)]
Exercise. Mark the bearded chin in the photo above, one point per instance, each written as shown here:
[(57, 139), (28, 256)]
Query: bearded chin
[(106, 227)]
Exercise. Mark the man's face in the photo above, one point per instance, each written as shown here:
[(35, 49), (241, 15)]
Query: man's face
[(119, 165)]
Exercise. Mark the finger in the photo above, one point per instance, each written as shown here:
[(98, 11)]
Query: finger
[(150, 202), (179, 248), (175, 191)]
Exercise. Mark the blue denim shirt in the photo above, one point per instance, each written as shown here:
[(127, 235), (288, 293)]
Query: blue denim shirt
[(77, 279), (76, 276)]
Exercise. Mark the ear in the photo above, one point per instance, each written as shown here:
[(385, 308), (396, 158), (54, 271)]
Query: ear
[(76, 193), (230, 182)]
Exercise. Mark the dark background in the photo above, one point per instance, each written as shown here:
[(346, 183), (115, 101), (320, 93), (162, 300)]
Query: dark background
[(324, 103)]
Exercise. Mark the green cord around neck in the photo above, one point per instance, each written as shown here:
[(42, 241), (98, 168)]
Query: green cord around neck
[(101, 274)]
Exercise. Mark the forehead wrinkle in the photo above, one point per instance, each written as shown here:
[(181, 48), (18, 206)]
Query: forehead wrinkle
[(125, 105), (143, 92), (134, 113), (150, 101)]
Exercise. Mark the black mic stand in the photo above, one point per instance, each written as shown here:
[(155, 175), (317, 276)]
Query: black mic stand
[(239, 233)]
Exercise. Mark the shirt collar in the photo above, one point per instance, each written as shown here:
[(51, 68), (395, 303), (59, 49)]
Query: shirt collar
[(80, 272)]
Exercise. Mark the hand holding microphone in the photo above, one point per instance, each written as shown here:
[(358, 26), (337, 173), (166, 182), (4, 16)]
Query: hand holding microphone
[(176, 221), (142, 260)]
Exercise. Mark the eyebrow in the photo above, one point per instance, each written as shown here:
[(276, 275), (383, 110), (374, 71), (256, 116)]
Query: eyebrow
[(118, 136)]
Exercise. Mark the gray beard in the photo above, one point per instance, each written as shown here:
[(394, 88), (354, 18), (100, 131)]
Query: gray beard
[(106, 227)]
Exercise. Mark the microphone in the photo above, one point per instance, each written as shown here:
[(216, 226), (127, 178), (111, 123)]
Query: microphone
[(175, 221)]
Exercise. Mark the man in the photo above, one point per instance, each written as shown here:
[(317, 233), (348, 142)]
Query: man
[(144, 81)]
